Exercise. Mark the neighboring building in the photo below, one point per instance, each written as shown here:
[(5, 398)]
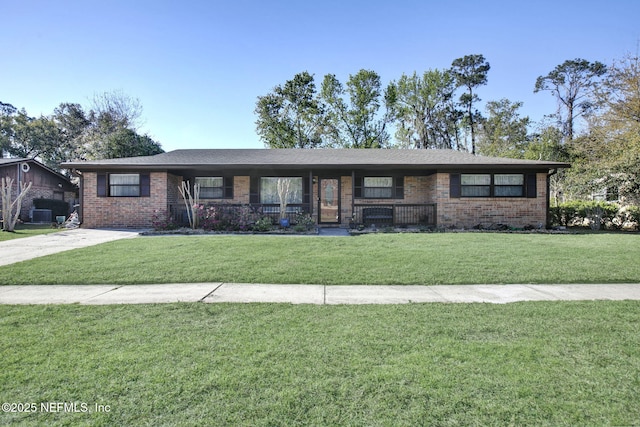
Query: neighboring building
[(443, 188), (46, 183)]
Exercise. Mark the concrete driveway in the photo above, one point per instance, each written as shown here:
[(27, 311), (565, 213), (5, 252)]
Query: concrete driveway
[(23, 249)]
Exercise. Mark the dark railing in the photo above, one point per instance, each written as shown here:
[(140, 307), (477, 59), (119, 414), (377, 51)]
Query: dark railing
[(179, 211), (395, 214)]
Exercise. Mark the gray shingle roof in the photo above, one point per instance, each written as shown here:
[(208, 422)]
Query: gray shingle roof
[(318, 158)]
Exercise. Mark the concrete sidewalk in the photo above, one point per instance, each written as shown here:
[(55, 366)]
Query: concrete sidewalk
[(310, 294), (26, 248)]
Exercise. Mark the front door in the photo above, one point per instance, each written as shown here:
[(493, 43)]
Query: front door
[(329, 200)]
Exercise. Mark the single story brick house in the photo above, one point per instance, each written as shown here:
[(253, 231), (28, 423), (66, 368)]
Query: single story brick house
[(45, 184), (337, 187)]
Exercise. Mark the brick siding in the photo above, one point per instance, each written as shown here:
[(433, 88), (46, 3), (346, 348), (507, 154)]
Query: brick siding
[(124, 212), (469, 212), (138, 212)]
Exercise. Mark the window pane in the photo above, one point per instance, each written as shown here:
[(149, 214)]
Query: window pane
[(271, 188), (209, 181), (476, 179), (475, 191), (124, 191), (211, 187), (211, 192), (509, 191), (124, 185), (509, 179), (378, 181), (124, 179), (378, 193)]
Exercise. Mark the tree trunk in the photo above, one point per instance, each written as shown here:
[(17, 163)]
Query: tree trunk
[(9, 217)]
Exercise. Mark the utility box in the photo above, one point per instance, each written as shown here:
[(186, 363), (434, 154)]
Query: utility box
[(41, 215)]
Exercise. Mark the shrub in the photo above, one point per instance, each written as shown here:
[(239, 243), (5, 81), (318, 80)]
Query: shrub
[(226, 217), (304, 222), (57, 207), (162, 220), (263, 224), (594, 214)]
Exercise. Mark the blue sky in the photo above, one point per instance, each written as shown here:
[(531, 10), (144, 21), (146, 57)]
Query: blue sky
[(197, 67)]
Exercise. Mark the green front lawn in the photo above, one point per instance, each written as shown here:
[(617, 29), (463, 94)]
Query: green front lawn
[(405, 259), (27, 230), (560, 363)]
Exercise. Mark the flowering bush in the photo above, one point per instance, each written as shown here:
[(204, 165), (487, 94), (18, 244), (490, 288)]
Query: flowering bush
[(226, 218), (162, 220)]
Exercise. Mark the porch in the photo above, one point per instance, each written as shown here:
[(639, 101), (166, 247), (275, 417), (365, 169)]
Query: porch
[(392, 214)]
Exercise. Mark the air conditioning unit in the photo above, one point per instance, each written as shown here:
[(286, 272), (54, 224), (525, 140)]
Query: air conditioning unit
[(41, 215)]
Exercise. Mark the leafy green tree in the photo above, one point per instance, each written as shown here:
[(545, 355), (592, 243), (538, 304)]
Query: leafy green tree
[(424, 110), (128, 143), (546, 144), (353, 112), (503, 132), (7, 111), (573, 84), (108, 130), (470, 72), (291, 116), (25, 136), (608, 156)]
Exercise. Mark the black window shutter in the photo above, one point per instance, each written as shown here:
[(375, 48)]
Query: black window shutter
[(228, 187), (254, 190), (532, 191), (145, 185), (102, 185), (454, 185), (399, 184), (357, 187)]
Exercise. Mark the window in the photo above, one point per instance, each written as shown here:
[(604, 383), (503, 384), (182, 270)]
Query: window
[(124, 185), (271, 188), (508, 185), (493, 185), (378, 187), (476, 185), (211, 187)]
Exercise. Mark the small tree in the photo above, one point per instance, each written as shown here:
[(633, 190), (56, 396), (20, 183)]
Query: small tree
[(191, 201), (9, 216), (283, 188)]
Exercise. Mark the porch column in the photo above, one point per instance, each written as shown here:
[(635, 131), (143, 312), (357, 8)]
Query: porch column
[(311, 200), (353, 193)]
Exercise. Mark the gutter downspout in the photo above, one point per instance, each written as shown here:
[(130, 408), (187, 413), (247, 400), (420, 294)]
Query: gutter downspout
[(549, 175)]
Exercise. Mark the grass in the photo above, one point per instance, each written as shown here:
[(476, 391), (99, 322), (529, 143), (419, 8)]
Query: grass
[(27, 231), (403, 259), (560, 363)]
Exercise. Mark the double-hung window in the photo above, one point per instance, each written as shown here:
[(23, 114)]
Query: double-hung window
[(211, 187), (475, 185), (377, 187), (123, 185), (508, 185), (493, 185)]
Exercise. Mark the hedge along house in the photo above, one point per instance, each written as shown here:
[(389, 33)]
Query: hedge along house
[(337, 187), (46, 185)]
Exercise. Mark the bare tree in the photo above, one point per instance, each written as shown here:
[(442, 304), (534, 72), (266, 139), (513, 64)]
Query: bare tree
[(191, 201), (11, 208)]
